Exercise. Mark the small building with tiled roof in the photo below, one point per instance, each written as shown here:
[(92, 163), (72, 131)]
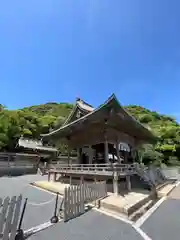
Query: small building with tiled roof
[(34, 146)]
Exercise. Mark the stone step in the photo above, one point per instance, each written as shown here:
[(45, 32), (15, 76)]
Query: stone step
[(133, 212), (130, 210), (165, 190), (114, 213), (127, 205), (144, 208), (162, 185)]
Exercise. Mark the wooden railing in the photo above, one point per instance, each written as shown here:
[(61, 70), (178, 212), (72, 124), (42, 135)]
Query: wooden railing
[(121, 168)]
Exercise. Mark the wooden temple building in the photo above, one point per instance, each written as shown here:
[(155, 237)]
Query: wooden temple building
[(105, 136)]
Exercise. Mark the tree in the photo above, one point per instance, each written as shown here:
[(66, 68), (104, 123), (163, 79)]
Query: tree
[(149, 155), (35, 120)]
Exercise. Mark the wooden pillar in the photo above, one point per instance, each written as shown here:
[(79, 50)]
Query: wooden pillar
[(106, 151), (125, 157), (115, 185), (115, 181), (133, 153), (117, 150), (54, 176), (82, 180), (69, 160), (49, 176), (70, 180), (128, 181), (78, 156), (8, 160), (95, 180), (90, 154)]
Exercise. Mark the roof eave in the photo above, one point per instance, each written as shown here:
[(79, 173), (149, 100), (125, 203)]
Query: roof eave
[(148, 133), (77, 120)]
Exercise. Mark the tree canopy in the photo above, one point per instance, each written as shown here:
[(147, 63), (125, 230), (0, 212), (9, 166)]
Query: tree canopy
[(167, 129), (30, 122), (35, 120)]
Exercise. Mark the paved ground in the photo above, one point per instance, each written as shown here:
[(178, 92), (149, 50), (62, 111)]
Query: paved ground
[(92, 225), (34, 215), (164, 223)]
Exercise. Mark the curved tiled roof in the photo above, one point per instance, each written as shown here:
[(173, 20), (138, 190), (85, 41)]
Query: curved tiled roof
[(83, 105), (112, 99)]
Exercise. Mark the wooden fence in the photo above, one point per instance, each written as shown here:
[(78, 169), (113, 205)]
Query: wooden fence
[(75, 198), (9, 215)]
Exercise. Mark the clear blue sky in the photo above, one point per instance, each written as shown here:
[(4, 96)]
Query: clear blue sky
[(56, 50)]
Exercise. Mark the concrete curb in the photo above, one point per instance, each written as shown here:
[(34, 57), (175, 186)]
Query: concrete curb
[(142, 219), (34, 184), (161, 194)]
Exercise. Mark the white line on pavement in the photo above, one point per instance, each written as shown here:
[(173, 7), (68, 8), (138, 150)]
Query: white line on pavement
[(177, 184), (142, 219), (141, 232), (38, 228), (137, 229), (113, 215)]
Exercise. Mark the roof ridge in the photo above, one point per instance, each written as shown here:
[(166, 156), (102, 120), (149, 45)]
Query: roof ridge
[(84, 105), (84, 102)]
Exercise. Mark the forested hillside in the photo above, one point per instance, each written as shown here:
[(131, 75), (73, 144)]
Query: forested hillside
[(167, 129), (30, 122), (34, 120)]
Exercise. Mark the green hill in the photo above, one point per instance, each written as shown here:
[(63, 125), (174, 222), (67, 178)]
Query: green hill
[(34, 120), (166, 128)]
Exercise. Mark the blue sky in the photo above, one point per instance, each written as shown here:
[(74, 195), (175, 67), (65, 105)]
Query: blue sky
[(56, 50)]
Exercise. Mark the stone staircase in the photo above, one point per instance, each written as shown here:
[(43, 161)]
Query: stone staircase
[(159, 186), (130, 206), (150, 178), (142, 210)]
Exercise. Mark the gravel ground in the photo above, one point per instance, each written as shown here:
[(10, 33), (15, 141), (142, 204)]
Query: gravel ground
[(91, 225)]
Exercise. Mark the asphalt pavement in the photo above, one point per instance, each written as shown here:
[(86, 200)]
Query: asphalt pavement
[(91, 225), (162, 224), (35, 214)]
